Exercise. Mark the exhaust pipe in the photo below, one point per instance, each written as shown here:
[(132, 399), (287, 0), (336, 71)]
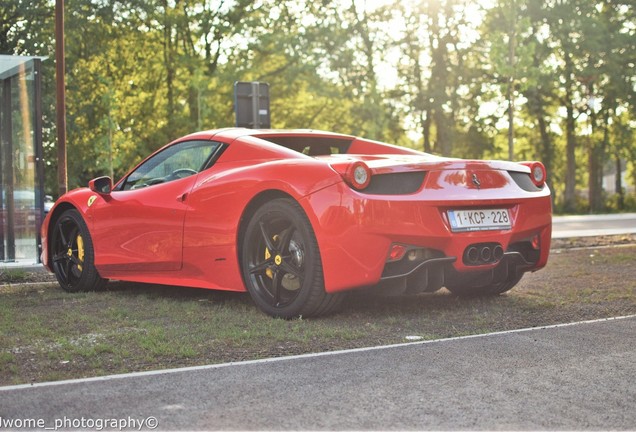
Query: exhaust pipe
[(497, 253), (483, 253), (472, 254)]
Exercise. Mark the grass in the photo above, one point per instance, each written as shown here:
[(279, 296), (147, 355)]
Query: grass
[(48, 334), (13, 276)]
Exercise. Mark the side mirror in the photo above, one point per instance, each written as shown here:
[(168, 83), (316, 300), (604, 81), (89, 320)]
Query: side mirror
[(101, 185)]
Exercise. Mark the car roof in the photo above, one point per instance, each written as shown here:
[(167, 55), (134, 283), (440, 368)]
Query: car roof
[(230, 134)]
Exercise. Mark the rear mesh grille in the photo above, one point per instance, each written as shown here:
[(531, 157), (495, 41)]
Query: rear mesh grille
[(523, 181), (395, 183)]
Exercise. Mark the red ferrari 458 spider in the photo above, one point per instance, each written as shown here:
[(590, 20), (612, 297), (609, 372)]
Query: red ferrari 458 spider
[(298, 217)]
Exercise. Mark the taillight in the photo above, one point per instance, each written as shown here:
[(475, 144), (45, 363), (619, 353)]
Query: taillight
[(537, 173), (357, 175)]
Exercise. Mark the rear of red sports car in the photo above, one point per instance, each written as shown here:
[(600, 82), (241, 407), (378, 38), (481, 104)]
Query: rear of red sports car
[(412, 222), (399, 220)]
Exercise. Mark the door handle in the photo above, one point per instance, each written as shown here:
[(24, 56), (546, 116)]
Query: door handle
[(182, 197)]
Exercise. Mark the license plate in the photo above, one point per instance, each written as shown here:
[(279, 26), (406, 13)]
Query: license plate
[(479, 220)]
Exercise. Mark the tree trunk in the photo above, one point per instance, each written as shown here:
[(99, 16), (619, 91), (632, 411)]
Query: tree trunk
[(511, 83), (168, 57), (597, 153), (536, 106), (593, 180), (619, 183), (426, 130), (569, 198), (438, 86)]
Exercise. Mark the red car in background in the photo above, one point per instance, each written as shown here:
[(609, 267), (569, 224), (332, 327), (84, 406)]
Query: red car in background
[(298, 217)]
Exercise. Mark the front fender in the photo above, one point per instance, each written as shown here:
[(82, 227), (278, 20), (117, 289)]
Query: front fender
[(80, 199)]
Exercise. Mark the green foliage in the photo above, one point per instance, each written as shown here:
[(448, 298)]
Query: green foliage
[(144, 72), (628, 204), (12, 276)]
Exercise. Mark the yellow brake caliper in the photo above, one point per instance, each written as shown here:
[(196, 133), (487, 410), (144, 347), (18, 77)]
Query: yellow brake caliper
[(268, 255), (80, 251)]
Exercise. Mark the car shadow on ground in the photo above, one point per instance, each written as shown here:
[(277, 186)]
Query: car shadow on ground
[(177, 293), (357, 304)]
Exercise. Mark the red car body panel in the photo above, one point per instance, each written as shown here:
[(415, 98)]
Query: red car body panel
[(187, 231)]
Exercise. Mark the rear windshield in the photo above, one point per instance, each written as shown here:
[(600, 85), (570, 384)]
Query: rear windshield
[(311, 146)]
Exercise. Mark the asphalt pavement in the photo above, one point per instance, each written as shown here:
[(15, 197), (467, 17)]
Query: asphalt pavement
[(593, 225), (574, 377)]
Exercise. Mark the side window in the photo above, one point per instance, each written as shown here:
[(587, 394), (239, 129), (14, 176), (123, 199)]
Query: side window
[(175, 162)]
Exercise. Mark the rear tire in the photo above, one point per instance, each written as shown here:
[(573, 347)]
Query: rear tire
[(465, 290), (281, 263), (72, 254)]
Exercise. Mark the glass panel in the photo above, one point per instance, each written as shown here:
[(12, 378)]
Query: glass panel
[(4, 90), (175, 162), (19, 206)]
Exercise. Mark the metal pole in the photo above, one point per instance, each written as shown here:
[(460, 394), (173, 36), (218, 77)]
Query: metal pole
[(62, 172), (5, 112), (256, 94), (39, 151), (8, 173)]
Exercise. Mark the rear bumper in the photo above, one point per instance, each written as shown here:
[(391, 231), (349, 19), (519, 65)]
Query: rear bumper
[(433, 274), (355, 233)]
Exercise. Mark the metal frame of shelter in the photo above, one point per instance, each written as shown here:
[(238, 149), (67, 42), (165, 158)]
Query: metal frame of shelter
[(21, 159)]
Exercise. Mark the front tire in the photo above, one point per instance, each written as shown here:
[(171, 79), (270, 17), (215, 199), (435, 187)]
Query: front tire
[(73, 254), (281, 263)]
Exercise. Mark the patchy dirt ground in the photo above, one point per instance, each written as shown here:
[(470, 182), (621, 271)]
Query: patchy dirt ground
[(47, 334), (578, 242), (15, 276)]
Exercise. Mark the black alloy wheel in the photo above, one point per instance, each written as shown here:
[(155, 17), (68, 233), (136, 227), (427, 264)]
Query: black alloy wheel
[(72, 254), (281, 263)]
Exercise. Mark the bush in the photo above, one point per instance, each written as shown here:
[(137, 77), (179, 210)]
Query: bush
[(628, 205)]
